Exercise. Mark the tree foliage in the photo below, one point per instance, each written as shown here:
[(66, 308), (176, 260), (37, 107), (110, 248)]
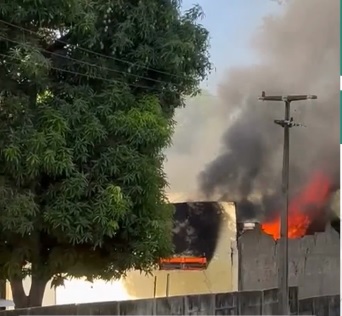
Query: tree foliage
[(87, 94)]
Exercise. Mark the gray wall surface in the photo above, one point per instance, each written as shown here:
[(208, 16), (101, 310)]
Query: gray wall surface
[(322, 305), (235, 303), (314, 262)]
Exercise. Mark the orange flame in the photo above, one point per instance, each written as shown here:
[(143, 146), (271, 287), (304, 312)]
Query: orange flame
[(315, 194)]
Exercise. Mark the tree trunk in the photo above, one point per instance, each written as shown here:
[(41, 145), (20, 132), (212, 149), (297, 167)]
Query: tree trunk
[(37, 292), (3, 289), (39, 278), (18, 293), (35, 297)]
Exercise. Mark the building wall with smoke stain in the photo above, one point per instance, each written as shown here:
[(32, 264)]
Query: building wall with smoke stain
[(200, 228), (314, 262)]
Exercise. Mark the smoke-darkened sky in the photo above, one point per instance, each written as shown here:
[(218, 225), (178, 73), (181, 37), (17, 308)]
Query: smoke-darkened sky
[(241, 156)]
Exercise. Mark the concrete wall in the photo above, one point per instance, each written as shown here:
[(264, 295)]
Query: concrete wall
[(314, 262), (321, 305), (237, 303)]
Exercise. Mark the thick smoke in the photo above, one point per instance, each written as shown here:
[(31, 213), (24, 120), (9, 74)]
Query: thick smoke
[(299, 52), (195, 142)]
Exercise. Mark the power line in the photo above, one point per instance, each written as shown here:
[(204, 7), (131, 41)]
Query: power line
[(100, 78), (99, 66), (81, 74), (84, 62), (93, 52)]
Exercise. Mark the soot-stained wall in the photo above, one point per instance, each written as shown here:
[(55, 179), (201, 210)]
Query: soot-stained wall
[(197, 227), (314, 262), (201, 228)]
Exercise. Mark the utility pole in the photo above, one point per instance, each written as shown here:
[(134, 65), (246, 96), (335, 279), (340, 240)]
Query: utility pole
[(283, 253)]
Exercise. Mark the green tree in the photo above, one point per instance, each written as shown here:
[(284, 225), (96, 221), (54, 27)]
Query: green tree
[(87, 95)]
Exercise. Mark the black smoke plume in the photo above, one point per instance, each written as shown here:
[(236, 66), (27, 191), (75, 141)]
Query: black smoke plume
[(299, 54)]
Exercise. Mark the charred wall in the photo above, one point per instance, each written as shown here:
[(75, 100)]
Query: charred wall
[(197, 228)]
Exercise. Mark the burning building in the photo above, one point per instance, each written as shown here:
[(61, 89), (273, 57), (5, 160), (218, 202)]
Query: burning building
[(218, 251), (314, 262), (298, 53), (314, 243), (309, 210), (206, 257)]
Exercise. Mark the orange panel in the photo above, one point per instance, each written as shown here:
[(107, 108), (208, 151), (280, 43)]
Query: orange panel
[(201, 260), (183, 263)]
